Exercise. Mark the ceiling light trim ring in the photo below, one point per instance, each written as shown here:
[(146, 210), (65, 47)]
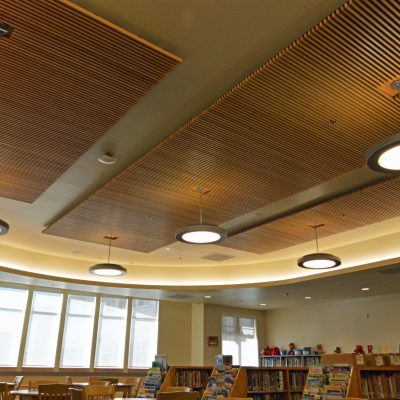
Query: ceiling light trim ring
[(374, 154), (301, 262), (201, 228), (4, 227)]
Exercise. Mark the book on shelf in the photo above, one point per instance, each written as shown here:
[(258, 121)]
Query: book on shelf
[(290, 361), (380, 385), (194, 378), (221, 382), (265, 381), (297, 380), (327, 382)]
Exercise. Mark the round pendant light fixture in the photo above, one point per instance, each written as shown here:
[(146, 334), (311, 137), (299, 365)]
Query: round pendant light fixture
[(318, 260), (201, 233), (108, 269), (4, 227), (385, 155)]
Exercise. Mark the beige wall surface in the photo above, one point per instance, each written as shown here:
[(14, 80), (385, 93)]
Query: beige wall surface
[(175, 332), (372, 320), (212, 327)]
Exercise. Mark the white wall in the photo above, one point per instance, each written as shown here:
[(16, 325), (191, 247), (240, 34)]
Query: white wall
[(373, 320)]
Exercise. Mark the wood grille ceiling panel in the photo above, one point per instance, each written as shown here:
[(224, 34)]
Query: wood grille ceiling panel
[(371, 205), (266, 139), (66, 78)]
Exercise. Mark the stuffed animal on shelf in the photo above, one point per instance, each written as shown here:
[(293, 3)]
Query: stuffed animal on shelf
[(320, 349), (337, 350), (370, 349), (359, 349), (292, 347)]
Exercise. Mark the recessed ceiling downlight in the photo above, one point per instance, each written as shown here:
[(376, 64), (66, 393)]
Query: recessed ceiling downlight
[(4, 227), (200, 234), (107, 269), (385, 155)]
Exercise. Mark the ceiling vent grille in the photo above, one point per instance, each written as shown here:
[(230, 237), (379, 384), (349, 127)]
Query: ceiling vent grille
[(217, 257), (392, 270), (179, 296)]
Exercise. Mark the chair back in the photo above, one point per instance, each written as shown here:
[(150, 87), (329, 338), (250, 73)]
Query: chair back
[(179, 389), (53, 392), (99, 383), (68, 379), (111, 381), (133, 390), (35, 384), (17, 382), (76, 394), (98, 392), (177, 396), (3, 391)]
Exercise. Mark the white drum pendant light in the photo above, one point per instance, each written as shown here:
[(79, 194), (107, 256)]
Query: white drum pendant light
[(201, 233), (318, 260), (108, 269)]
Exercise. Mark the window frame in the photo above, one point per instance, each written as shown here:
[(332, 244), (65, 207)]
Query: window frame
[(65, 292), (238, 316)]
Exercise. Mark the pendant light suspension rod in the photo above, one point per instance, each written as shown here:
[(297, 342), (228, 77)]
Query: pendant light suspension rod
[(201, 205), (109, 249), (316, 237)]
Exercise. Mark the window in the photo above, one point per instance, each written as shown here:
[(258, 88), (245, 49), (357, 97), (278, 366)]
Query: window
[(41, 343), (78, 331), (144, 333), (239, 339), (111, 333), (12, 313)]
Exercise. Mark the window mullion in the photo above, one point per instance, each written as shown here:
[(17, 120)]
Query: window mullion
[(128, 333), (95, 331), (24, 335), (60, 332)]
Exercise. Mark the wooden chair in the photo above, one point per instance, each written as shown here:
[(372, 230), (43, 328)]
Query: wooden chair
[(179, 389), (111, 381), (56, 391), (76, 394), (97, 392), (99, 383), (3, 391), (135, 382), (35, 384), (17, 382), (177, 396)]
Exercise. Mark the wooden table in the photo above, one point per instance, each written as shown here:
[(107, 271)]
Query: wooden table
[(33, 393)]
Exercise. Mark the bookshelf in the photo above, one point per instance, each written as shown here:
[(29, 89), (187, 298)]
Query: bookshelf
[(290, 361), (193, 377), (370, 381)]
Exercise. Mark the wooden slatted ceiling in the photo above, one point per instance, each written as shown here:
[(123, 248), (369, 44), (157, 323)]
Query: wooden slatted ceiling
[(66, 78), (371, 205), (266, 139)]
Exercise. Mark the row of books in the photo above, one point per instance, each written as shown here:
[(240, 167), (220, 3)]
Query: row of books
[(266, 396), (192, 378), (297, 380), (263, 380), (290, 361), (381, 385)]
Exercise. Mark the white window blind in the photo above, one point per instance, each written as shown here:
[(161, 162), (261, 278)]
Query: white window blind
[(78, 331), (111, 333), (144, 333), (239, 339), (43, 329), (12, 313)]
